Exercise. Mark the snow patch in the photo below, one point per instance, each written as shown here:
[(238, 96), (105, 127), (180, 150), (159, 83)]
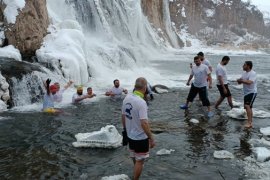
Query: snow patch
[(265, 131), (12, 8), (10, 52), (116, 177)]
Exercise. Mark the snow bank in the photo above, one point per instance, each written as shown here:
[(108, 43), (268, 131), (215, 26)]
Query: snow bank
[(12, 8), (10, 52)]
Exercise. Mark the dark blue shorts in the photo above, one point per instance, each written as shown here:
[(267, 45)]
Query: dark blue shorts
[(249, 99), (220, 89)]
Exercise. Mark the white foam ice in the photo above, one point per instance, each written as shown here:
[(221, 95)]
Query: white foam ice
[(194, 121), (223, 154), (237, 113), (236, 104), (12, 8), (240, 113), (259, 142), (262, 154), (164, 151), (116, 177), (10, 52), (161, 91), (256, 170), (106, 137), (265, 131)]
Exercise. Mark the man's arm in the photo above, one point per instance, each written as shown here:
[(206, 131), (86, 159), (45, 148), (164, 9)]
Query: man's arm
[(78, 99), (220, 79), (248, 82), (68, 84), (123, 121), (146, 128), (189, 79), (210, 80)]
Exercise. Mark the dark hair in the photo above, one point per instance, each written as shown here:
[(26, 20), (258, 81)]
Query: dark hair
[(89, 88), (196, 58), (225, 58), (115, 81), (200, 54), (249, 64)]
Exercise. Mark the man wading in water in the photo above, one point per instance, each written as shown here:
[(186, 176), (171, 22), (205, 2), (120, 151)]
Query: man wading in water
[(135, 122)]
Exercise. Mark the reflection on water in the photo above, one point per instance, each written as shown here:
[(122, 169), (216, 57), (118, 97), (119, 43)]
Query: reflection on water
[(39, 146)]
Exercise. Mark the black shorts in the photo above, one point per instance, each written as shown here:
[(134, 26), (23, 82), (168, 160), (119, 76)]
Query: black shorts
[(249, 99), (202, 93), (139, 146), (221, 92)]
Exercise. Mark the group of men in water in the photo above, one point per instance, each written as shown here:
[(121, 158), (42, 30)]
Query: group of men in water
[(137, 133), (55, 94), (201, 72)]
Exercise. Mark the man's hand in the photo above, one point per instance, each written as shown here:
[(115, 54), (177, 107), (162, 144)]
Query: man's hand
[(188, 83), (152, 143), (239, 81), (48, 81)]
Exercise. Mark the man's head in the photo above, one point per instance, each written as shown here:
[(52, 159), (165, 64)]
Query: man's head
[(116, 83), (53, 89), (57, 85), (141, 84), (89, 91), (197, 60), (247, 66), (225, 60), (201, 55), (79, 90)]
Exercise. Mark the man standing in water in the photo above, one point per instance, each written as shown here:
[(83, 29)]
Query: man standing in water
[(205, 61), (222, 82), (135, 122), (48, 102), (201, 73), (249, 81)]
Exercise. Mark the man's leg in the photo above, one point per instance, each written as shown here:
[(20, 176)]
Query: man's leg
[(138, 167), (219, 101), (249, 116), (229, 99)]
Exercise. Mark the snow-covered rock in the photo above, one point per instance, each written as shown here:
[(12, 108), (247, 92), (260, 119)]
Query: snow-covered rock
[(223, 154), (107, 137)]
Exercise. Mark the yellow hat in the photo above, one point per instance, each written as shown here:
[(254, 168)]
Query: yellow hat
[(79, 88)]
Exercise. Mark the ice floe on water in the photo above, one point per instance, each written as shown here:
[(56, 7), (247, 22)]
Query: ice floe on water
[(116, 177), (240, 113), (164, 151), (262, 154), (107, 137), (256, 170), (237, 113), (259, 142), (223, 155), (265, 131), (194, 121)]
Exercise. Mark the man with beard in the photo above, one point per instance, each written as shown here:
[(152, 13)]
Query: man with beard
[(201, 73), (116, 91), (78, 96), (222, 82), (249, 81)]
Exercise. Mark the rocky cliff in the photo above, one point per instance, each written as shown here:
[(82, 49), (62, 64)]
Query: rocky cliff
[(223, 22), (29, 29)]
